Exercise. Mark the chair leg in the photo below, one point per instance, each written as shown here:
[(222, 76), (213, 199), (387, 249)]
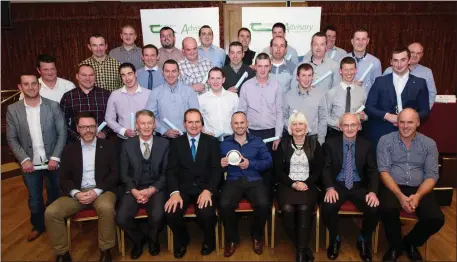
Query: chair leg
[(376, 239), (266, 234), (273, 224), (317, 229), (170, 239), (217, 237), (123, 242), (222, 235), (69, 232), (119, 244)]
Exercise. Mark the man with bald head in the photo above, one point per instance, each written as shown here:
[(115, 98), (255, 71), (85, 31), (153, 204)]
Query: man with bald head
[(408, 163), (417, 52), (194, 69)]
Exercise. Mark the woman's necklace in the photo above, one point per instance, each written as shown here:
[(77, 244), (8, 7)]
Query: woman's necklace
[(297, 149)]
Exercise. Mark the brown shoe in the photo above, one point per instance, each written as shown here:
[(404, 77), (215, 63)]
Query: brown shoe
[(33, 235), (257, 245), (229, 249)]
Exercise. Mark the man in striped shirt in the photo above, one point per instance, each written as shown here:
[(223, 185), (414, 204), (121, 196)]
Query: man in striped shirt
[(128, 52)]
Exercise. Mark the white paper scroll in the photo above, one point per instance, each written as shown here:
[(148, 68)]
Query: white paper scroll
[(366, 72), (322, 78), (101, 126), (361, 108), (170, 124), (132, 121), (43, 167), (206, 78), (241, 80), (271, 139)]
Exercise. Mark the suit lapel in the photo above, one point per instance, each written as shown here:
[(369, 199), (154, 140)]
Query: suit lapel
[(44, 111), (22, 117), (79, 161), (186, 146), (391, 90), (137, 151), (200, 148), (408, 89), (339, 153), (99, 150)]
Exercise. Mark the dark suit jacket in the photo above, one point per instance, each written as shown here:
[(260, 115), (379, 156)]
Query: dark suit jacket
[(185, 175), (132, 166), (382, 99), (106, 167), (364, 160)]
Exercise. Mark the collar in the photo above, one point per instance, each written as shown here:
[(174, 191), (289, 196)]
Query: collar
[(222, 92), (155, 68), (91, 145), (133, 48), (197, 138), (41, 101), (311, 60), (40, 80), (308, 92), (211, 47), (359, 58), (405, 76), (172, 88), (278, 65), (138, 89), (397, 136), (349, 142), (149, 141), (344, 85), (258, 84)]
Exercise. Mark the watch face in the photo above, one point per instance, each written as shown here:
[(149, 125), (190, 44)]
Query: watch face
[(234, 157)]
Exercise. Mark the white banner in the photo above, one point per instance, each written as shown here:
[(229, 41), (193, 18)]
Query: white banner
[(301, 23), (185, 21)]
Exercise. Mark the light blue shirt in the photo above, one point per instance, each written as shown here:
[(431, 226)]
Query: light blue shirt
[(362, 64), (171, 103), (284, 74), (291, 55), (425, 73), (214, 54), (197, 139), (319, 71), (142, 76)]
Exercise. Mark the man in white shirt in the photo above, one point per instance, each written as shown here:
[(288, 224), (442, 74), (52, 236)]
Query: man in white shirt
[(36, 132), (217, 105), (52, 87)]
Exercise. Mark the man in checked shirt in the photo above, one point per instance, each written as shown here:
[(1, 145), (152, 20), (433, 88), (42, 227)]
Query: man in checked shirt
[(85, 97)]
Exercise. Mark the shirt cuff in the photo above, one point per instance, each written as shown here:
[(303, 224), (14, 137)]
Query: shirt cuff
[(328, 188), (55, 158), (73, 193), (174, 192), (27, 158), (98, 191), (122, 131)]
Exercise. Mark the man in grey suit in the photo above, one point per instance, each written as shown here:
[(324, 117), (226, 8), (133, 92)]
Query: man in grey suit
[(143, 163), (36, 133)]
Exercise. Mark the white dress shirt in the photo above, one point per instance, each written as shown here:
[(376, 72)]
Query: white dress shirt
[(33, 120), (55, 93), (400, 83), (217, 111), (143, 148)]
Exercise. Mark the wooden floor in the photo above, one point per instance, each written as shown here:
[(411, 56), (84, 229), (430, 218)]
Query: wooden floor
[(16, 225)]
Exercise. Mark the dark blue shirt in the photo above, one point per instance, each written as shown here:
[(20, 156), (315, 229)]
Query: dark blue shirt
[(255, 150), (356, 177)]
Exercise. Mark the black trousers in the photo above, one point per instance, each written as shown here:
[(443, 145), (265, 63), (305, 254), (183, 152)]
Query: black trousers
[(357, 196), (205, 217), (297, 221), (257, 194), (268, 175), (136, 230), (428, 212)]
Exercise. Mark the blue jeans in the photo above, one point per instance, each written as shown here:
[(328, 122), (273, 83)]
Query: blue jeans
[(34, 183)]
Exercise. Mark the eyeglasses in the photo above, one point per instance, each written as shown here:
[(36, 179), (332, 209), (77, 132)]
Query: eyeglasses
[(93, 127), (352, 126)]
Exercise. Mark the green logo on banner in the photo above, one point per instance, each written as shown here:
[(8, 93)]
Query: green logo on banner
[(259, 27), (189, 28), (155, 29), (266, 27)]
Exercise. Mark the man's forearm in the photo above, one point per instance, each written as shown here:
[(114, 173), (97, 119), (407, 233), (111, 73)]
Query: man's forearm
[(390, 183), (426, 187)]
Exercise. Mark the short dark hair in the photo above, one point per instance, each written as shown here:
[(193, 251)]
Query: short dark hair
[(84, 114), (271, 41), (128, 26), (280, 25), (319, 34), (203, 27), (45, 58), (170, 62), (304, 67), (329, 27), (144, 112), (167, 28), (84, 65), (263, 56), (125, 65), (235, 43), (216, 69), (244, 29), (96, 35), (150, 46), (348, 61), (193, 110), (360, 30), (401, 49)]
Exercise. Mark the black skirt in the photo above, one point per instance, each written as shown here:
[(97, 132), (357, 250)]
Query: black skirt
[(288, 195)]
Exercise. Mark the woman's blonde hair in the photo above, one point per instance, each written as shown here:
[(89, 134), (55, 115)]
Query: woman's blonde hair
[(297, 117)]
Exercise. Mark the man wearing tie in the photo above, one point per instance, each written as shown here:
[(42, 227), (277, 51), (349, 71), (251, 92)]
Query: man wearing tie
[(193, 172), (350, 173), (393, 92), (150, 75)]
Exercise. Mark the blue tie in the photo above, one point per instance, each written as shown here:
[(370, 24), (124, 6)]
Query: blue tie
[(348, 169), (150, 79), (193, 149)]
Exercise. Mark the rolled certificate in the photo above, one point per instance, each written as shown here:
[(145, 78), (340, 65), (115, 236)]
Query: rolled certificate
[(43, 167), (132, 121), (361, 108), (288, 57), (241, 80), (322, 78), (366, 72), (205, 79), (101, 126), (170, 124), (271, 139)]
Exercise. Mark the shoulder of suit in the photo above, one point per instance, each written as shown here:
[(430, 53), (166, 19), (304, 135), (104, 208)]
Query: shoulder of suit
[(158, 139), (332, 141), (104, 143)]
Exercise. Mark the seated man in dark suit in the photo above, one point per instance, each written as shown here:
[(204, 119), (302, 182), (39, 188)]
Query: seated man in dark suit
[(193, 173), (350, 173), (143, 163), (408, 163), (393, 92), (88, 178), (244, 179)]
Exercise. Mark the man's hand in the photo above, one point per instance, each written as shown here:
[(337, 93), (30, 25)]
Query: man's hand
[(405, 203), (53, 165), (88, 197), (171, 133), (199, 87), (233, 89), (362, 116), (224, 162), (275, 144), (372, 200), (252, 67), (27, 167), (204, 199), (244, 163), (130, 133), (101, 135), (391, 118), (358, 83), (173, 202), (300, 186), (136, 194), (331, 196), (414, 200)]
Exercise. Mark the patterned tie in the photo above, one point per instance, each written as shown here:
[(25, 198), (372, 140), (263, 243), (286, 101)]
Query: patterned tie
[(348, 100), (193, 149), (150, 79), (348, 169), (147, 151)]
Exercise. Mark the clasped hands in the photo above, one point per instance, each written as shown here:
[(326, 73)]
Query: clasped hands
[(87, 197), (142, 196), (410, 203)]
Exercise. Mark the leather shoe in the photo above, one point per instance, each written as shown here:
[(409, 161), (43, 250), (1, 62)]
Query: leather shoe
[(33, 235), (412, 253), (137, 251), (105, 256), (391, 255), (206, 250), (154, 248), (257, 246), (229, 249), (309, 257), (64, 258), (364, 250), (179, 253), (333, 249)]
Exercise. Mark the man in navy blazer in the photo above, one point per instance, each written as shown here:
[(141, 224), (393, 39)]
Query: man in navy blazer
[(392, 93)]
